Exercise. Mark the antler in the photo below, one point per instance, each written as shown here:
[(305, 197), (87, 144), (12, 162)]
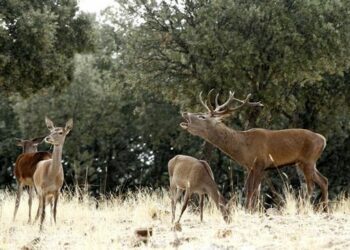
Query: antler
[(207, 103), (223, 108)]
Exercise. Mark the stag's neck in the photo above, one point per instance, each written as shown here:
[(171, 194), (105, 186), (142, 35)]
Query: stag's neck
[(230, 141), (56, 160)]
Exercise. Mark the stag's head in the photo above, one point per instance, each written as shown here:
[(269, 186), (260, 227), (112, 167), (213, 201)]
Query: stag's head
[(57, 134), (201, 124)]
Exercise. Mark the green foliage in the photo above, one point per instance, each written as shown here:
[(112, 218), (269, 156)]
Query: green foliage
[(245, 45), (38, 40), (8, 132), (291, 55)]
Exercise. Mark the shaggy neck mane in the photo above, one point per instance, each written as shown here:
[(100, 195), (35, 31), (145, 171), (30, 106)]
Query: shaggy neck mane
[(231, 142)]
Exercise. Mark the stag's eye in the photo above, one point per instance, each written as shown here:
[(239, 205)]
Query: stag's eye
[(201, 117), (61, 133)]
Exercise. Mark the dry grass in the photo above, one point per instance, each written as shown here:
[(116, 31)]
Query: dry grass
[(112, 225)]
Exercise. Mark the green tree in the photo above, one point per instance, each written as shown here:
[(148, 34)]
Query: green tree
[(9, 130), (286, 53), (38, 40)]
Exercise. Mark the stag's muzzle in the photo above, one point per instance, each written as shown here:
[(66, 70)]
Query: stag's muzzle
[(184, 125)]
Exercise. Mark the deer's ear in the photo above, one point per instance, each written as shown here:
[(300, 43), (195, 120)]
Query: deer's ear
[(19, 142), (49, 123), (69, 125), (38, 140), (222, 117)]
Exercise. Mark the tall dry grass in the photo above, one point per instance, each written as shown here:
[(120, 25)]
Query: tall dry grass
[(110, 224)]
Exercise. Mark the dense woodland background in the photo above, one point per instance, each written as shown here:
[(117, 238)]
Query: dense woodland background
[(126, 78)]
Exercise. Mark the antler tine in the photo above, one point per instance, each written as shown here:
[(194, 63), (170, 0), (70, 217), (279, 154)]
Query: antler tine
[(217, 100), (245, 102), (232, 98), (229, 100), (204, 104), (259, 104), (209, 101)]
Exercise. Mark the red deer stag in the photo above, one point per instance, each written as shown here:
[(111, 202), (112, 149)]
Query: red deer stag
[(48, 177), (194, 176), (259, 149), (25, 167)]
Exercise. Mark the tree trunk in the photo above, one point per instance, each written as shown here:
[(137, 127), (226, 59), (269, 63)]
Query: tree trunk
[(207, 151)]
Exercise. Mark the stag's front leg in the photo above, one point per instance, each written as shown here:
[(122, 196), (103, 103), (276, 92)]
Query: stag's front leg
[(249, 189), (258, 175)]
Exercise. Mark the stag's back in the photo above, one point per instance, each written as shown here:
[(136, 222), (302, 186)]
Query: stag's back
[(286, 146)]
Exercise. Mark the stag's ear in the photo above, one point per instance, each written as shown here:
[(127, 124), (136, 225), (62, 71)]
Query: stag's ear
[(222, 117), (38, 140), (19, 142), (49, 123), (69, 125)]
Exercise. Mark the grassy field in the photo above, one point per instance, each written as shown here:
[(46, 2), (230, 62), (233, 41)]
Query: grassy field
[(80, 225)]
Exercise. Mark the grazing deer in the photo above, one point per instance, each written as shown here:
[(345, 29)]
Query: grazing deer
[(259, 149), (24, 169), (48, 177), (194, 176)]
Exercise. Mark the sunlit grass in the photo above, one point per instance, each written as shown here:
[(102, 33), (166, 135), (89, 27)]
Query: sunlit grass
[(110, 224)]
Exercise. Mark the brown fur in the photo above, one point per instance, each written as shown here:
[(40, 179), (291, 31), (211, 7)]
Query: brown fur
[(194, 176), (24, 169), (260, 149), (26, 164), (49, 177)]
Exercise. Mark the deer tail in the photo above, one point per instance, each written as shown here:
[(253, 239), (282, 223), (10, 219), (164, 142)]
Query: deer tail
[(208, 169)]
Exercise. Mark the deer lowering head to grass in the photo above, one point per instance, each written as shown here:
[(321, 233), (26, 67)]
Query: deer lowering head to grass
[(48, 177), (194, 176), (259, 149), (25, 167)]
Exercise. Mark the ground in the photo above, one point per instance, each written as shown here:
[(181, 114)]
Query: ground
[(112, 225)]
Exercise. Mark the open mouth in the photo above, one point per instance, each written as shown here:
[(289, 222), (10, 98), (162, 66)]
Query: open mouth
[(184, 125)]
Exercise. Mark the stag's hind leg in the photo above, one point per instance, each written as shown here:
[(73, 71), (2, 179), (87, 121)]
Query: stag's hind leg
[(249, 186), (323, 183), (309, 173)]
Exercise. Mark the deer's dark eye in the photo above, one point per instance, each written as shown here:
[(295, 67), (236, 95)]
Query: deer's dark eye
[(201, 117), (61, 133)]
